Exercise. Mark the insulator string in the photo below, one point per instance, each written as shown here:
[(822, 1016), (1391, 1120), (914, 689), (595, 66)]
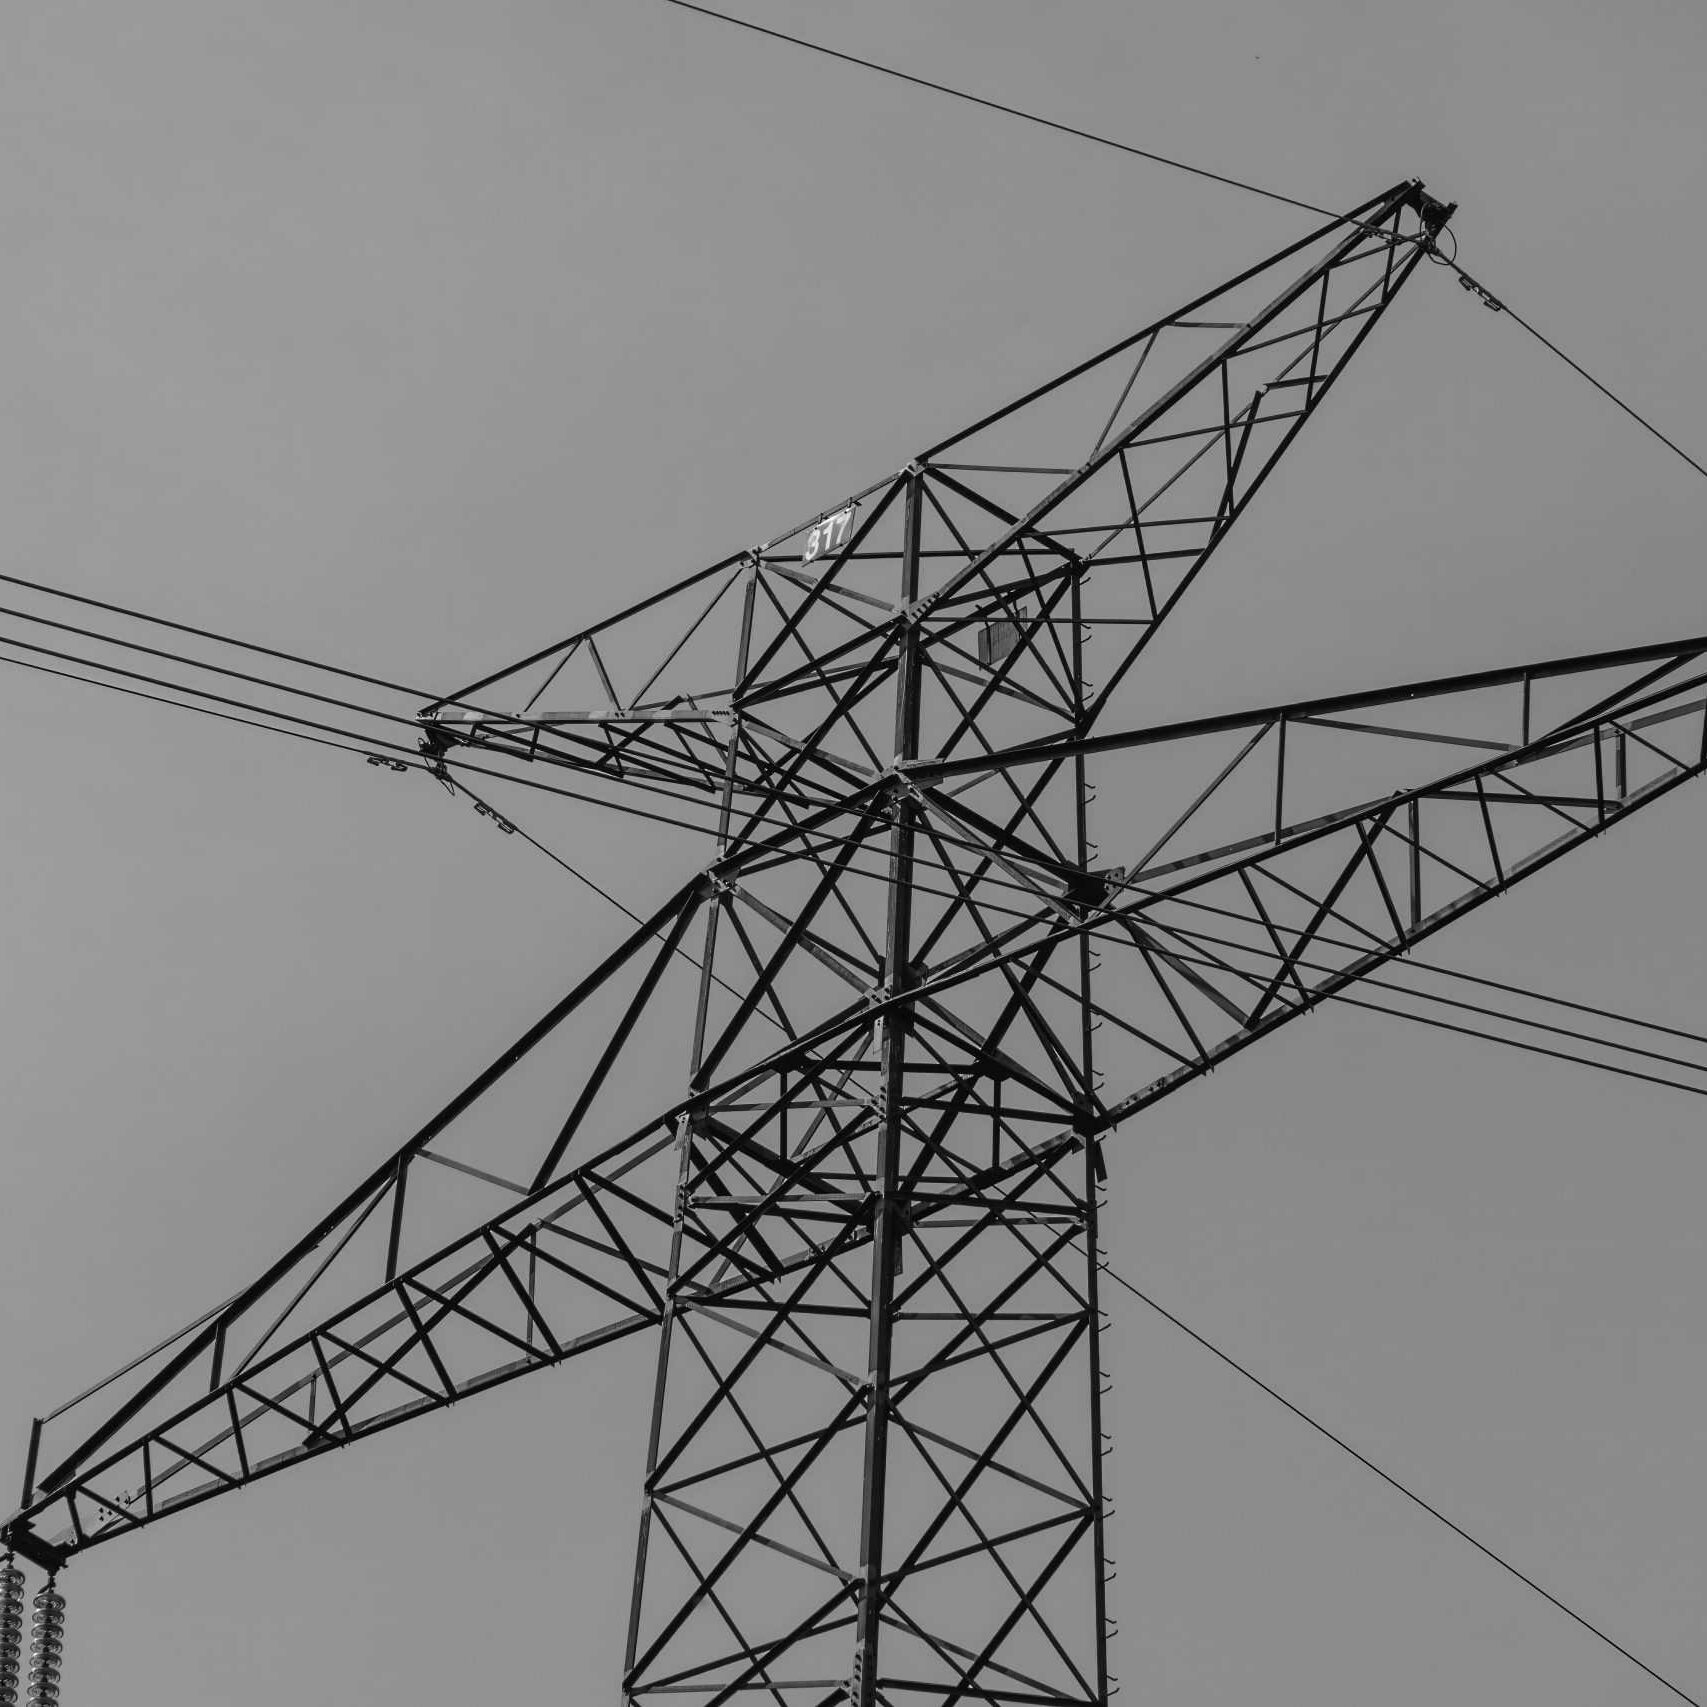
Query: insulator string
[(47, 1647), (11, 1629)]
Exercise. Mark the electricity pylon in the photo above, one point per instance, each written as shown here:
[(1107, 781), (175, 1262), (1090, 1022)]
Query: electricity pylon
[(864, 1221)]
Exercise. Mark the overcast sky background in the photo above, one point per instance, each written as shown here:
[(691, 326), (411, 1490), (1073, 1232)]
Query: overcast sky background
[(408, 335)]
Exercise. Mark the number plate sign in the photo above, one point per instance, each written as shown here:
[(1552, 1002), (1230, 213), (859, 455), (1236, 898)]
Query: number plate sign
[(830, 534)]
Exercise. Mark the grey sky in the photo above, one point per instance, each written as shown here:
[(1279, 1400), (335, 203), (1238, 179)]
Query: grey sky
[(407, 334)]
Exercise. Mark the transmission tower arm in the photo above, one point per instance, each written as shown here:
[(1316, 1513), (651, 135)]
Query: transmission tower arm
[(1295, 866), (376, 1315), (1096, 499), (1214, 940)]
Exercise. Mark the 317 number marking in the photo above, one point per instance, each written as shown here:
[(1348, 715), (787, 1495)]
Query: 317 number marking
[(831, 534)]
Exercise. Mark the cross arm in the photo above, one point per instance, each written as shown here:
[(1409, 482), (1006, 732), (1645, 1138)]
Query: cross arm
[(1094, 501), (1657, 660), (413, 1291), (1306, 844), (562, 1273)]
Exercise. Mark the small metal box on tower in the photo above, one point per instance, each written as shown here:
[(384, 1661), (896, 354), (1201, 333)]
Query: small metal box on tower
[(998, 640)]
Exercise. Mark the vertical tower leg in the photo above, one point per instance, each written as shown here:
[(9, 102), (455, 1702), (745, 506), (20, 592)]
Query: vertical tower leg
[(890, 1204), (872, 1476)]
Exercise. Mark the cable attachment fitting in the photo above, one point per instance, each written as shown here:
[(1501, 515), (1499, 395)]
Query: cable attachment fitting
[(11, 1629), (498, 818), (47, 1647), (1482, 294), (434, 744), (1432, 213)]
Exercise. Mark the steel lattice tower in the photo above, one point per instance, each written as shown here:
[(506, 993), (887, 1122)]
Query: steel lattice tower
[(862, 1213)]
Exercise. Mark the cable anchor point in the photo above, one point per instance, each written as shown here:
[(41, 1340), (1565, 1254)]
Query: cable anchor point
[(1433, 214), (434, 744)]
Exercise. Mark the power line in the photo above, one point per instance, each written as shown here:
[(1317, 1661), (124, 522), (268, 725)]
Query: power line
[(286, 689), (210, 634), (207, 693), (202, 710), (362, 745), (1601, 1041), (1478, 1032), (604, 894), (369, 742), (1559, 1001), (581, 877), (1641, 420), (199, 664), (1518, 1043), (1421, 965), (1394, 1483), (1002, 107)]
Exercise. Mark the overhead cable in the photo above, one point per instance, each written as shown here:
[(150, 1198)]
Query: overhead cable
[(1393, 1482), (183, 705), (1417, 963), (1519, 1044), (603, 894), (199, 664), (1002, 107), (355, 742), (1606, 391), (210, 634), (1475, 1008), (1345, 999)]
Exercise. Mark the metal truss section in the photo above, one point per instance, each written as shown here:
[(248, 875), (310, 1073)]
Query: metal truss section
[(870, 1468), (471, 1255), (1295, 866), (547, 1282), (864, 1223), (1056, 535)]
